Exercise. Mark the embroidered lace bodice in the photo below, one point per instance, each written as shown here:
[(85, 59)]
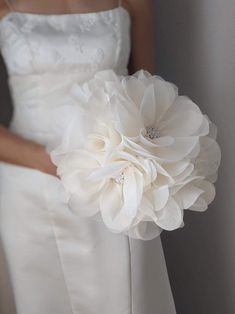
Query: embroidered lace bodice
[(45, 54), (36, 43)]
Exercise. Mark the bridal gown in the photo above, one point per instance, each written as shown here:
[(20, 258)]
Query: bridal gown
[(59, 263)]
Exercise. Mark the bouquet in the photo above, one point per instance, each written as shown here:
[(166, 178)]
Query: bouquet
[(135, 154)]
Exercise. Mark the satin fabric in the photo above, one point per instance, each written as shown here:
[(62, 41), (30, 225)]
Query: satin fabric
[(59, 263)]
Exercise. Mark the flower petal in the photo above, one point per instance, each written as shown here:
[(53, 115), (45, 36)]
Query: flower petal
[(204, 127), (165, 95), (209, 158), (176, 168), (134, 89), (187, 196), (148, 106), (84, 209), (179, 150), (206, 197), (170, 217), (126, 117), (183, 118), (160, 197), (108, 171), (118, 212), (145, 230)]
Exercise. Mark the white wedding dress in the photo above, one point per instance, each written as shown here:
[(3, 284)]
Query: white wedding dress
[(58, 264)]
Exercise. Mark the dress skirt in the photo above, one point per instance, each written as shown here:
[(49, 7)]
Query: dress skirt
[(59, 263)]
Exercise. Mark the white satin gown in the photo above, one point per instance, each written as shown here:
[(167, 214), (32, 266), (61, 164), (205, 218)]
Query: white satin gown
[(58, 264)]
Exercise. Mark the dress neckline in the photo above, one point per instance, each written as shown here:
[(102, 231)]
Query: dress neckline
[(123, 9)]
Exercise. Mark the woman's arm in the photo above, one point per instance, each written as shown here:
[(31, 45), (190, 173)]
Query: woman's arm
[(23, 152), (3, 8), (142, 35), (19, 151)]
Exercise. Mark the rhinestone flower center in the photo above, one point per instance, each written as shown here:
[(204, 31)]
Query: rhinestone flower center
[(120, 178), (152, 132)]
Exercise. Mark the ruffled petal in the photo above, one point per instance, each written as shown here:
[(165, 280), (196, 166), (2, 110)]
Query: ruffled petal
[(148, 106), (119, 205), (82, 208), (184, 118), (206, 197), (165, 95), (145, 230), (170, 217), (181, 148), (134, 89), (176, 168), (187, 196), (160, 197), (209, 158), (109, 171), (126, 117), (204, 127)]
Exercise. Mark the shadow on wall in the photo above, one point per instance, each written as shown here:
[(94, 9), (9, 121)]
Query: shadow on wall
[(5, 100), (200, 256)]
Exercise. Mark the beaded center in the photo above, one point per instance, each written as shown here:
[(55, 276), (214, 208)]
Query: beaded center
[(152, 132), (120, 178)]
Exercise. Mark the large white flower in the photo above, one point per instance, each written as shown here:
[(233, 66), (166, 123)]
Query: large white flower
[(135, 154)]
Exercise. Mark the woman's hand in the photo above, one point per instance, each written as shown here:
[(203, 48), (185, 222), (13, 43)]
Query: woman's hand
[(20, 151), (44, 162)]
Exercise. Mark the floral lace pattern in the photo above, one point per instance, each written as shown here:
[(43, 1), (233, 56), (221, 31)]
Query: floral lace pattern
[(36, 43)]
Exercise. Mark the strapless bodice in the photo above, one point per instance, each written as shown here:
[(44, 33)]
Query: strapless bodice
[(45, 54), (38, 43)]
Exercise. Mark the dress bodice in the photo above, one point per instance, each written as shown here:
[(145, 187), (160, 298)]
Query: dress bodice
[(37, 43), (46, 53)]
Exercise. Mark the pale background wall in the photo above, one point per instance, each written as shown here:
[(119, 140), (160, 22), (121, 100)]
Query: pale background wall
[(196, 50)]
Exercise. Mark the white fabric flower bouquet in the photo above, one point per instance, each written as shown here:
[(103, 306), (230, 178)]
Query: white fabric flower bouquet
[(134, 154)]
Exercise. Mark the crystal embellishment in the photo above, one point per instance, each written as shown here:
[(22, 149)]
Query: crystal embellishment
[(120, 178), (152, 132)]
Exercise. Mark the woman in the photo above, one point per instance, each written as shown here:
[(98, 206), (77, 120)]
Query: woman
[(59, 264)]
